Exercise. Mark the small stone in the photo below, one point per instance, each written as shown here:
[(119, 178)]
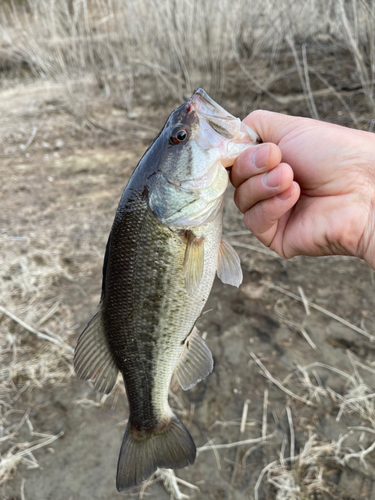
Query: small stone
[(59, 144)]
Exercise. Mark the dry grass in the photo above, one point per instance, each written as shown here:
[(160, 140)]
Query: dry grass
[(97, 51), (27, 360), (18, 452), (301, 476)]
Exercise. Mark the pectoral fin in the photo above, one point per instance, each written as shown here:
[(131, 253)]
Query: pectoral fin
[(229, 265), (195, 362), (92, 358), (193, 262)]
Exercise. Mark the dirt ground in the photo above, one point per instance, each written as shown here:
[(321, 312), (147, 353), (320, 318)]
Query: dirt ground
[(59, 197)]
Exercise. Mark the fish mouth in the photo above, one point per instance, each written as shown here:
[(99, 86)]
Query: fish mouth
[(222, 122)]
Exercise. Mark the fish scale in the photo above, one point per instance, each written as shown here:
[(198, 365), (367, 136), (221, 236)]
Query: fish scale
[(162, 314), (163, 252)]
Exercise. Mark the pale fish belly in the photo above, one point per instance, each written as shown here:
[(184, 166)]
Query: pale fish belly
[(179, 312)]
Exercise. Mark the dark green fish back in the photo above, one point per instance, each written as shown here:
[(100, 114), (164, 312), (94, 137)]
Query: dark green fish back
[(137, 278)]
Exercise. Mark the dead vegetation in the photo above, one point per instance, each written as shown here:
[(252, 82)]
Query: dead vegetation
[(100, 49), (109, 68)]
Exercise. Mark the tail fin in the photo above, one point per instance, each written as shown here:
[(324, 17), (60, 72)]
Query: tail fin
[(171, 447)]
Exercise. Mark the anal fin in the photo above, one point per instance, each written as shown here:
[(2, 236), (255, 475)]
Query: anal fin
[(92, 358), (229, 265), (195, 362)]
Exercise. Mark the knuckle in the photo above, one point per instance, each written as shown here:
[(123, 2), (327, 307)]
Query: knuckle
[(258, 114), (238, 199), (248, 221)]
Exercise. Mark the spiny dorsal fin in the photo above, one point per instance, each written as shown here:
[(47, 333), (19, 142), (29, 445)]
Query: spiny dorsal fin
[(193, 262), (229, 265), (92, 358), (195, 362)]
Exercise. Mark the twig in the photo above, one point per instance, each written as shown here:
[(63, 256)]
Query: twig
[(304, 300), (359, 398), (328, 367), (217, 456), (237, 443), (298, 97), (336, 94), (30, 139), (277, 382), (290, 420), (229, 423), (358, 57), (307, 80), (244, 416), (256, 249), (237, 465), (290, 41), (33, 448), (264, 418), (103, 127), (302, 331), (307, 338), (249, 452), (35, 332), (115, 131), (360, 454), (48, 314), (170, 481), (361, 428), (260, 478), (320, 309), (23, 489)]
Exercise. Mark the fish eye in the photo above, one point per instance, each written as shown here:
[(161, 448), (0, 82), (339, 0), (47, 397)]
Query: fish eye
[(178, 136)]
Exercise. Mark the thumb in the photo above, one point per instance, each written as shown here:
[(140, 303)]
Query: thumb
[(270, 126)]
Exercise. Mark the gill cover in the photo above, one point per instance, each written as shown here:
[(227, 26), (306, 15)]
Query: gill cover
[(188, 187)]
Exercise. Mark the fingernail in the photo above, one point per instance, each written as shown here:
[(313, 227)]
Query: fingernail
[(272, 179), (260, 156), (285, 195)]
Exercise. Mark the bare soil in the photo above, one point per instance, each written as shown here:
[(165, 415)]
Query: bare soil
[(60, 195)]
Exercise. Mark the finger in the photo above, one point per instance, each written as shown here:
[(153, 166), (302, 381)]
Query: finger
[(263, 186), (262, 219), (254, 161), (272, 127)]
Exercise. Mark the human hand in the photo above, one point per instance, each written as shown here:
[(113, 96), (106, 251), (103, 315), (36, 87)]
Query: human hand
[(311, 190)]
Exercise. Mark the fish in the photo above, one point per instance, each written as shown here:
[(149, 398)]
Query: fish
[(163, 252)]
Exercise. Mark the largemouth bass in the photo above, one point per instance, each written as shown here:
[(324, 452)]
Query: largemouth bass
[(163, 252)]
